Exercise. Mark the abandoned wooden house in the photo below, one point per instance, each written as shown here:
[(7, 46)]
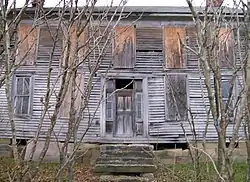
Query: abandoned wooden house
[(162, 82)]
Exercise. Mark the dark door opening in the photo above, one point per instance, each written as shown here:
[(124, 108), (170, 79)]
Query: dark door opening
[(124, 107)]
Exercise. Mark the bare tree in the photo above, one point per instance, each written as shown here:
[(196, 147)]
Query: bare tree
[(213, 30), (84, 39)]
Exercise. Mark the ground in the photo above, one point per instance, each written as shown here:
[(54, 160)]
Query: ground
[(165, 173)]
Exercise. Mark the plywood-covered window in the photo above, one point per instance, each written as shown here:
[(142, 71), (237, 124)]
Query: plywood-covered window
[(22, 95), (226, 48), (75, 44), (27, 44), (174, 51), (176, 97), (124, 47), (77, 86)]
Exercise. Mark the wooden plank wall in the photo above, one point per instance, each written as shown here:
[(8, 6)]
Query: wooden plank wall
[(150, 63)]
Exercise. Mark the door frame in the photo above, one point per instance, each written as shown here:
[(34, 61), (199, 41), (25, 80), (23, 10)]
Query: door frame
[(144, 78)]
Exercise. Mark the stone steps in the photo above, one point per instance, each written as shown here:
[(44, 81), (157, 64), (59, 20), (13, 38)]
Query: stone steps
[(112, 178), (124, 168), (125, 163), (124, 160)]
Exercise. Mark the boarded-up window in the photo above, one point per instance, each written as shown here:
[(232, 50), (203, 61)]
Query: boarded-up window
[(47, 37), (79, 91), (226, 48), (27, 38), (76, 45), (174, 51), (124, 47), (176, 97)]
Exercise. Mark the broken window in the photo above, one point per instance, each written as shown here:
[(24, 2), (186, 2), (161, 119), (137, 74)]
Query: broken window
[(124, 47), (228, 95), (22, 95), (110, 101), (176, 97)]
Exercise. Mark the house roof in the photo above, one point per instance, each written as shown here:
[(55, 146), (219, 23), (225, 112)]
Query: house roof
[(147, 10)]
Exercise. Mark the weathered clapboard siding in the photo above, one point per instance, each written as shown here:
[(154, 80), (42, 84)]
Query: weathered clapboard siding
[(47, 37), (150, 62), (191, 40), (240, 49), (91, 115)]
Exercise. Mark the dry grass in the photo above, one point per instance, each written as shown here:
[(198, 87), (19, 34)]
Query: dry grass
[(83, 173)]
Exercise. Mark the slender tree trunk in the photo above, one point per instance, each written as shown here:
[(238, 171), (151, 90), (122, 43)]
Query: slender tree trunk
[(247, 81)]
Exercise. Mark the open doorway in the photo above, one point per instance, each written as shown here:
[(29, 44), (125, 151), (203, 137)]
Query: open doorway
[(122, 107)]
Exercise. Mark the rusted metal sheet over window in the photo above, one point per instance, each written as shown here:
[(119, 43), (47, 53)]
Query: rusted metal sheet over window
[(226, 48), (124, 47), (174, 53), (27, 36)]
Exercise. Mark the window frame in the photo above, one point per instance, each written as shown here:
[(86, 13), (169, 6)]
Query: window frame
[(135, 121), (225, 77), (115, 45), (14, 94)]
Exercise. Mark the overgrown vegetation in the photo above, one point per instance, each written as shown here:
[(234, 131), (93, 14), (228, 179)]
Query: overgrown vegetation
[(171, 173)]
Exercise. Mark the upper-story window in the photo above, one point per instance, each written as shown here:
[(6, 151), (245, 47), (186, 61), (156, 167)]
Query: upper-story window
[(22, 93), (174, 51), (154, 44), (224, 51), (124, 47)]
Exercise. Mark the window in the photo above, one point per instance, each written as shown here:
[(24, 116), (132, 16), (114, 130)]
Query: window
[(176, 97), (124, 47), (226, 85), (226, 48), (22, 95), (174, 52)]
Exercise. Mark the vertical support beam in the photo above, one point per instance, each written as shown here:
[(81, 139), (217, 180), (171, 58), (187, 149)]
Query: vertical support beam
[(102, 109), (145, 109)]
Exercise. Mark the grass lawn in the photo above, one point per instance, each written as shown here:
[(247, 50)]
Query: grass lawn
[(171, 173), (186, 172)]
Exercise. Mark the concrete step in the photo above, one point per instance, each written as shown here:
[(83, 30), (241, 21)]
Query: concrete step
[(124, 160), (123, 147), (127, 153), (128, 168), (111, 178)]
